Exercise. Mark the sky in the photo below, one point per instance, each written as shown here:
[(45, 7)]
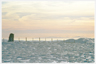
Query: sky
[(48, 19)]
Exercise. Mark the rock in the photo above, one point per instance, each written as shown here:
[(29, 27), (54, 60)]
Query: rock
[(11, 37)]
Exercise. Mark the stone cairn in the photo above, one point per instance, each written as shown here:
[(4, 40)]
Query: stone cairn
[(11, 37)]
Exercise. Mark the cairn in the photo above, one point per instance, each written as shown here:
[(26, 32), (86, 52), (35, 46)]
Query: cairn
[(11, 37)]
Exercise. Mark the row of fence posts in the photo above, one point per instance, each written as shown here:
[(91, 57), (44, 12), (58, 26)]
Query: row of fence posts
[(39, 39), (33, 39)]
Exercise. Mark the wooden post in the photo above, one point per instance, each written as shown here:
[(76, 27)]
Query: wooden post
[(32, 39), (45, 39), (39, 39), (57, 40), (19, 39), (26, 39), (51, 39)]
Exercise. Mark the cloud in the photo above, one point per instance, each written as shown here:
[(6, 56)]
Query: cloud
[(49, 17), (4, 13), (51, 7), (4, 2), (48, 10), (21, 14)]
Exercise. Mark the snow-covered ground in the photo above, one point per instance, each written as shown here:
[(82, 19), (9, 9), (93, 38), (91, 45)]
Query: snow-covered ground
[(80, 51)]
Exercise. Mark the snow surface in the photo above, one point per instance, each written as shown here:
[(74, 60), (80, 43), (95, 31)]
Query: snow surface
[(48, 52)]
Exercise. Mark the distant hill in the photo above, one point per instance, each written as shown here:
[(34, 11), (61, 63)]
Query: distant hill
[(70, 41), (80, 40)]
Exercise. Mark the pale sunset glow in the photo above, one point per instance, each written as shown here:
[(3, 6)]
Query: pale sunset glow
[(33, 19)]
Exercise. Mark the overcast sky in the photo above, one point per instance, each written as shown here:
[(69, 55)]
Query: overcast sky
[(48, 19)]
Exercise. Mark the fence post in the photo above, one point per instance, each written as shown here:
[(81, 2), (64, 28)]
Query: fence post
[(51, 39), (45, 39), (39, 39), (19, 39), (32, 39), (26, 39)]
